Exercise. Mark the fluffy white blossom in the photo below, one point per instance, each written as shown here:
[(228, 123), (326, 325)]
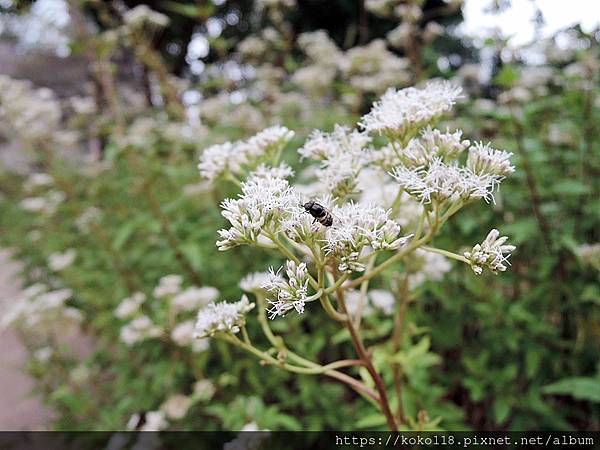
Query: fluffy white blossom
[(222, 317), (217, 160), (260, 207), (401, 112), (287, 294), (59, 261), (143, 15), (176, 406), (425, 266), (168, 285), (183, 335), (46, 204), (383, 300), (342, 154), (130, 305), (193, 298), (440, 181), (36, 180), (139, 329), (491, 254), (254, 282), (357, 226), (485, 160)]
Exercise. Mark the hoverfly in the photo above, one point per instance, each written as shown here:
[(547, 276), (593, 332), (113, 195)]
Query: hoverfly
[(319, 212)]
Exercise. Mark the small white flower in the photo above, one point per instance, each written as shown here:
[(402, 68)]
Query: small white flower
[(217, 159), (176, 406), (254, 282), (485, 160), (383, 300), (440, 181), (405, 111), (130, 305), (491, 254), (222, 317), (155, 421), (167, 286), (193, 298), (288, 294), (264, 202), (204, 389), (423, 266), (357, 227), (59, 261), (139, 329), (143, 15)]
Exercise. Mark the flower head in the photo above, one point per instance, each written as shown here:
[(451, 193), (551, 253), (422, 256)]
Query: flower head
[(287, 294), (485, 160), (222, 317), (403, 112), (491, 254)]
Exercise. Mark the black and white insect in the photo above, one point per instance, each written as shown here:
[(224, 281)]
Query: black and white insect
[(319, 212)]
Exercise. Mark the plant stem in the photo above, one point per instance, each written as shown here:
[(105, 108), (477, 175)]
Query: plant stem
[(396, 344), (446, 253), (366, 358)]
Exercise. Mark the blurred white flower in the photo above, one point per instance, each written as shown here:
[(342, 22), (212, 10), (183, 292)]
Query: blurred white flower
[(139, 329), (183, 335), (222, 317), (254, 282), (59, 261), (176, 406), (130, 305), (193, 298), (423, 266), (383, 300), (167, 286)]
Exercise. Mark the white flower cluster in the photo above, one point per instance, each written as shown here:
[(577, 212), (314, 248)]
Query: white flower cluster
[(358, 227), (401, 112), (142, 15), (230, 158), (183, 334), (168, 285), (342, 154), (425, 266), (59, 261), (491, 254), (139, 329), (590, 254), (259, 209), (440, 181), (40, 310), (373, 68), (254, 282), (194, 297), (46, 204), (130, 305), (375, 301), (288, 294), (222, 317)]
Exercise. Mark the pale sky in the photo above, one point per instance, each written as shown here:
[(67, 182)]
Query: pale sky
[(516, 20)]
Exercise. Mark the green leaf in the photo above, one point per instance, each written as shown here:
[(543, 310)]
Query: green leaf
[(123, 234), (370, 421), (570, 187), (501, 409), (580, 388)]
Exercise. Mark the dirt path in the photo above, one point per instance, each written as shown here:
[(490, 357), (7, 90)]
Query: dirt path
[(19, 409)]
